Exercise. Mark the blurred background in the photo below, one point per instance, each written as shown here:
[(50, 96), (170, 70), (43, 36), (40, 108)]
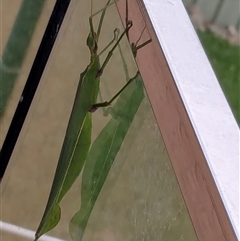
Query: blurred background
[(218, 23)]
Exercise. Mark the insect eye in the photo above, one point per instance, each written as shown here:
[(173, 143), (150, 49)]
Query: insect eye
[(91, 43)]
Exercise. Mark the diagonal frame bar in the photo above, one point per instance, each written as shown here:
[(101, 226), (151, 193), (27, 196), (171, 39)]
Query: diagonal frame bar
[(197, 125)]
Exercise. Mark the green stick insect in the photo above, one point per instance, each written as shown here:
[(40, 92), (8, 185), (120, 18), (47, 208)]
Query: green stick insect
[(77, 141), (107, 145)]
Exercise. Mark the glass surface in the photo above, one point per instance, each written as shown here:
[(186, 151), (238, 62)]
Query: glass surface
[(140, 199), (22, 24)]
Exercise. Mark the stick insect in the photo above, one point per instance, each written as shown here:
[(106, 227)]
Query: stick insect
[(106, 146), (78, 135)]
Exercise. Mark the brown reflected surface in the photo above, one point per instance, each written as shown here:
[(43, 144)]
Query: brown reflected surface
[(140, 199)]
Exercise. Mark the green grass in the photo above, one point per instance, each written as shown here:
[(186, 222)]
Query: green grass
[(224, 58)]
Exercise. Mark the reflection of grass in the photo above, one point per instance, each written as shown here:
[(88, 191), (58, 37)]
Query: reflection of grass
[(17, 46), (225, 62)]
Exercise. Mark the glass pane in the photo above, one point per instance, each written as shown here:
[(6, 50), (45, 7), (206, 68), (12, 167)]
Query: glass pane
[(140, 199), (22, 26)]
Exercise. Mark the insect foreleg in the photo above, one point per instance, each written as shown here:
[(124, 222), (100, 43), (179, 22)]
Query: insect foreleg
[(107, 103)]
